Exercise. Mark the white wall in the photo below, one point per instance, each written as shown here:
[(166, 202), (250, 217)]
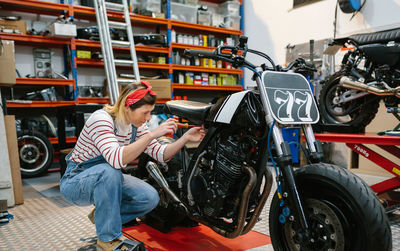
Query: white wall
[(271, 24)]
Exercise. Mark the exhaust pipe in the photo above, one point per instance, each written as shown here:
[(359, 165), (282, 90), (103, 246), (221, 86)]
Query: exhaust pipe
[(348, 83), (240, 225), (260, 207), (156, 174)]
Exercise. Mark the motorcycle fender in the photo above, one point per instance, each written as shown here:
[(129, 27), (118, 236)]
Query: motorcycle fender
[(227, 108)]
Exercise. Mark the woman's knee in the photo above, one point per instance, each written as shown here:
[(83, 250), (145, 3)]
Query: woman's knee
[(153, 198)]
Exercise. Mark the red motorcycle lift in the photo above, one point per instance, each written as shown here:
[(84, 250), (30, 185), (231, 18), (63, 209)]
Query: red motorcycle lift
[(200, 238), (388, 143)]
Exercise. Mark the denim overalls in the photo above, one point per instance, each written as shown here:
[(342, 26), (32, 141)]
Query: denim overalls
[(118, 198)]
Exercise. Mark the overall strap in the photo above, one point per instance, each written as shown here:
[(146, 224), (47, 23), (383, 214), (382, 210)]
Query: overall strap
[(134, 133)]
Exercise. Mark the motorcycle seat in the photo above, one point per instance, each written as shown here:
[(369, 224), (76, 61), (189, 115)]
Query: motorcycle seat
[(376, 37), (194, 112)]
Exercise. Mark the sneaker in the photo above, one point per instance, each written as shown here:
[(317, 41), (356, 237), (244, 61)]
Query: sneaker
[(91, 215), (109, 245)]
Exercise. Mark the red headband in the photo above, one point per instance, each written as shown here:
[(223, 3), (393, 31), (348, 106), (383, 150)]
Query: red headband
[(139, 94)]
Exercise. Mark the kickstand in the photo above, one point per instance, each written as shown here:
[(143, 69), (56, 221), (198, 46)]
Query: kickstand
[(130, 245)]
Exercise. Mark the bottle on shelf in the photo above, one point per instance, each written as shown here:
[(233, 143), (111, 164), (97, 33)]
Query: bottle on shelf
[(173, 36)]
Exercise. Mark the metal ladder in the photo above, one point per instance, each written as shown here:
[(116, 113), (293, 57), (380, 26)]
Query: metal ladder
[(104, 25)]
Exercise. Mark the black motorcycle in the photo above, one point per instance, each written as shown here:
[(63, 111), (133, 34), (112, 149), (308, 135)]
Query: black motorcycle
[(369, 72), (224, 182)]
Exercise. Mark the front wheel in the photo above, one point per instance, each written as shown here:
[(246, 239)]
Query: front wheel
[(342, 212)]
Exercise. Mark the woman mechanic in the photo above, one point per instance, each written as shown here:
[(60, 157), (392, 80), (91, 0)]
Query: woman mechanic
[(111, 138)]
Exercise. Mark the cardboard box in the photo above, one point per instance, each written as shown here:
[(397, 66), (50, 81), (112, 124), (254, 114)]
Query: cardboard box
[(7, 64), (63, 30), (16, 26), (162, 87)]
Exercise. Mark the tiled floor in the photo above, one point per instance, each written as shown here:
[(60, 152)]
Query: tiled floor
[(47, 222)]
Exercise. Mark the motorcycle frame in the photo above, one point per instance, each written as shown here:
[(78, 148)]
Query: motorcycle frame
[(284, 157)]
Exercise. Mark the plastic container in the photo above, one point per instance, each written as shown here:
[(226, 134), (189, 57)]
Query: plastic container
[(232, 22), (203, 17), (230, 8), (151, 5), (217, 20), (183, 12)]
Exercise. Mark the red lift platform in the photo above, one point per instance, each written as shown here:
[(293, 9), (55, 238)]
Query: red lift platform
[(200, 238), (356, 142)]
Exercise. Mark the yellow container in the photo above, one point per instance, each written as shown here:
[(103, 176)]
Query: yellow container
[(205, 40), (211, 63), (159, 60), (83, 54), (204, 62)]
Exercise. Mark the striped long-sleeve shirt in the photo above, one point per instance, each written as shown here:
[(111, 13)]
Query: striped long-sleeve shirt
[(100, 137)]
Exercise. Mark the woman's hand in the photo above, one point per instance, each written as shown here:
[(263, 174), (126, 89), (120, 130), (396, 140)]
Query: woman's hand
[(195, 134), (168, 127)]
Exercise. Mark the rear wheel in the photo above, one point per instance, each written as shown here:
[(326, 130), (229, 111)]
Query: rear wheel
[(357, 113), (342, 211), (35, 153)]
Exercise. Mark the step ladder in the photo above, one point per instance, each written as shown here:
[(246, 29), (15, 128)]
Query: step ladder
[(104, 25)]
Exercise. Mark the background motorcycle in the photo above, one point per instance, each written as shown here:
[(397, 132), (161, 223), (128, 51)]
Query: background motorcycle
[(370, 72), (224, 182)]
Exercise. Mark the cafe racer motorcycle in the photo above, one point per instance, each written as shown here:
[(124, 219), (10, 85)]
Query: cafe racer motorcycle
[(224, 182)]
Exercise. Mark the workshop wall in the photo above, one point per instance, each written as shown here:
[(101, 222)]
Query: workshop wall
[(271, 25)]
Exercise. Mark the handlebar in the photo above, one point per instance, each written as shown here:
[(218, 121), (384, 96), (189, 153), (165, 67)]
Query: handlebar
[(301, 64), (238, 60)]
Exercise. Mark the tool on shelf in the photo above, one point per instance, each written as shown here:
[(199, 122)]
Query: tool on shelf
[(107, 44)]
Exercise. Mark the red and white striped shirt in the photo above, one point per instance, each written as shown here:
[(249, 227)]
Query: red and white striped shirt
[(98, 138)]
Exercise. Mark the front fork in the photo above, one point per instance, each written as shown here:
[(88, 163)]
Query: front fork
[(284, 161)]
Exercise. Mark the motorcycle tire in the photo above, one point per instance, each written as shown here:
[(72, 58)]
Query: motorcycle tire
[(35, 153), (356, 114), (342, 211)]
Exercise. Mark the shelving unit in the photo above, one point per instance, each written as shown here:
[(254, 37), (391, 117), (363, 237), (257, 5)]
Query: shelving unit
[(38, 104), (235, 88), (143, 65), (74, 44), (205, 69), (82, 12), (81, 43), (203, 28), (44, 81)]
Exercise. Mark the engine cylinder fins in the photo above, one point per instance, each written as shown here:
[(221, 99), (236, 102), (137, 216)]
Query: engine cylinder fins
[(229, 172), (229, 160)]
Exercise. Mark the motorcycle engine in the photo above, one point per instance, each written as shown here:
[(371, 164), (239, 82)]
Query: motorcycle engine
[(217, 188)]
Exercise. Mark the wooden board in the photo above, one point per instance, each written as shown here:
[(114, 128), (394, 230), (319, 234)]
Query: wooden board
[(12, 143)]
